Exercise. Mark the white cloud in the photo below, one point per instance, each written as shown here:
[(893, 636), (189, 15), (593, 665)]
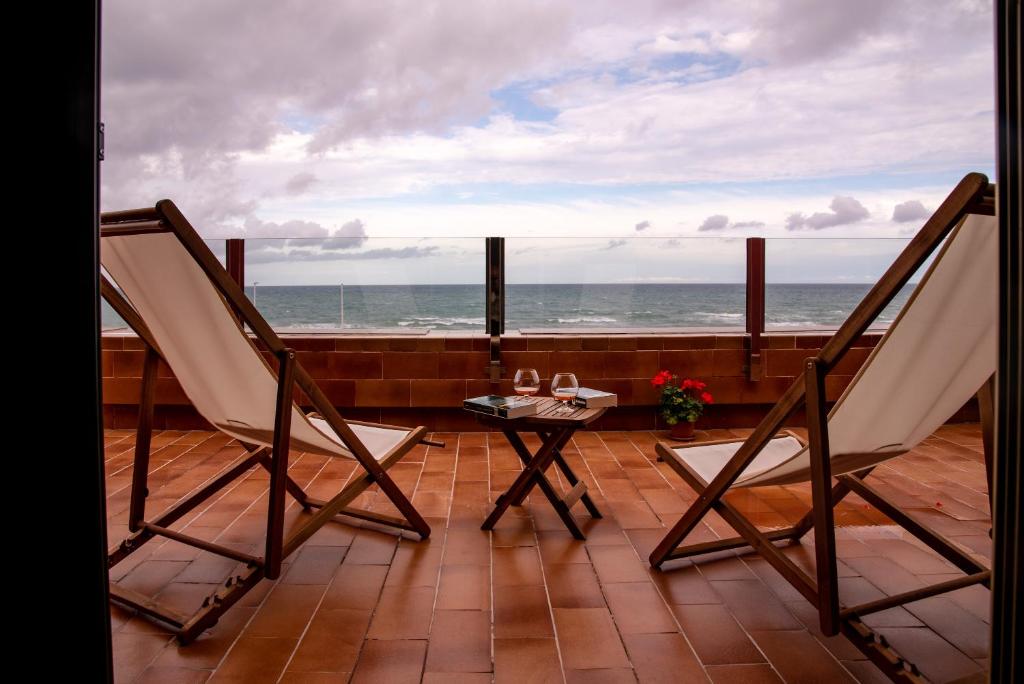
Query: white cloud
[(911, 210), (845, 210)]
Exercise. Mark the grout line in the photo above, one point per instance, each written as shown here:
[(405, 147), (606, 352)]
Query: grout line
[(444, 547)]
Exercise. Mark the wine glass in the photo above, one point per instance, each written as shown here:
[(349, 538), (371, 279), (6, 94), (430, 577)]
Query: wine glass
[(526, 382), (564, 387)]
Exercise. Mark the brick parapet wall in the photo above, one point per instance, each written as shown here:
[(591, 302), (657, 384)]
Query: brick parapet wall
[(423, 379)]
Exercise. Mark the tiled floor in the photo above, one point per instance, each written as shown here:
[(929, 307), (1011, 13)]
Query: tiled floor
[(526, 603)]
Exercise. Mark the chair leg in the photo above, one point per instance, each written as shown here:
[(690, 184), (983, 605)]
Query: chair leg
[(143, 441), (279, 465), (821, 495)]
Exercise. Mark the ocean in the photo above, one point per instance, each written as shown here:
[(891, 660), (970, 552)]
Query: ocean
[(553, 306)]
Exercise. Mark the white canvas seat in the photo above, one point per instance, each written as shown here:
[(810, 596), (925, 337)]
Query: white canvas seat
[(224, 376), (938, 353)]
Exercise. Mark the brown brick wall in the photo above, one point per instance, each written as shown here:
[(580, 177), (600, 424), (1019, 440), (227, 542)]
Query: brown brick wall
[(423, 380)]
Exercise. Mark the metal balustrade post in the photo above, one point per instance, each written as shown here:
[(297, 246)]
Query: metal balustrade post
[(235, 263), (755, 306), (495, 303)]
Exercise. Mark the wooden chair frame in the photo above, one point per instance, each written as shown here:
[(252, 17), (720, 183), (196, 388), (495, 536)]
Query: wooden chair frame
[(165, 217), (972, 195)]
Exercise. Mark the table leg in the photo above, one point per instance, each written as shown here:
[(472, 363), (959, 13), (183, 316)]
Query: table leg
[(533, 474)]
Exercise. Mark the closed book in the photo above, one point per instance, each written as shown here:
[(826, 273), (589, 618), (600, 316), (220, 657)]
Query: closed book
[(503, 407), (592, 398)]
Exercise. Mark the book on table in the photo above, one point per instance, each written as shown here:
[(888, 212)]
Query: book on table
[(503, 407), (592, 398)]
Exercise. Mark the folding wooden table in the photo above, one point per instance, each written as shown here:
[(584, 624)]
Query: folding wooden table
[(555, 429)]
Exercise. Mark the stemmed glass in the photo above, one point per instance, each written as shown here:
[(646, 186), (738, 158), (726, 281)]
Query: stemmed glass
[(564, 387), (526, 382)]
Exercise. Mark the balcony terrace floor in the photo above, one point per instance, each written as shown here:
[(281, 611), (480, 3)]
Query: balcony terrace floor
[(527, 603)]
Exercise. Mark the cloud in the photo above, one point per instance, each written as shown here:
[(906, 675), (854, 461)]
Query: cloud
[(716, 222), (299, 183), (257, 229), (269, 254), (643, 225), (615, 244), (721, 222), (349, 236), (911, 210), (845, 210)]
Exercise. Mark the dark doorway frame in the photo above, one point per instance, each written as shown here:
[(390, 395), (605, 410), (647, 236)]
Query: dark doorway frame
[(1008, 476), (76, 142)]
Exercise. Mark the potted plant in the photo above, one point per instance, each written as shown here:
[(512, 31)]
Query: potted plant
[(682, 402)]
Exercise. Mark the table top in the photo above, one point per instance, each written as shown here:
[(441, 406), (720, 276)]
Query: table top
[(548, 414)]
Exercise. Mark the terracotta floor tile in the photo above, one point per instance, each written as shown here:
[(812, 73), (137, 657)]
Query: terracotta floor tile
[(526, 660), (332, 642), (799, 658), (315, 678), (355, 586), (390, 661), (839, 646), (152, 576), (684, 585), (754, 606), (638, 608), (866, 672), (716, 636), (634, 515), (415, 565), (402, 613), (286, 612), (133, 653), (460, 641), (209, 649), (457, 678), (522, 612), (467, 547), (743, 674), (464, 587), (726, 567), (512, 531), (255, 659), (516, 566), (953, 623), (932, 655), (588, 640), (664, 658), (619, 675), (315, 565), (558, 546), (372, 548), (617, 564), (172, 675), (573, 585)]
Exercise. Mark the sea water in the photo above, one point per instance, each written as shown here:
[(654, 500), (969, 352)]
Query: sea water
[(553, 306)]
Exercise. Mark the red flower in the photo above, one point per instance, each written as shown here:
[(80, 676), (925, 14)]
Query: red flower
[(687, 383), (697, 384), (661, 378), (706, 397)]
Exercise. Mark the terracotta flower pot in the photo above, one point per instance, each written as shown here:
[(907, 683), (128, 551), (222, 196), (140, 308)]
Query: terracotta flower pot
[(682, 431)]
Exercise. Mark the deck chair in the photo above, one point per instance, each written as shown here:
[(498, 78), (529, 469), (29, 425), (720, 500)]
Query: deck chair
[(187, 310), (940, 350)]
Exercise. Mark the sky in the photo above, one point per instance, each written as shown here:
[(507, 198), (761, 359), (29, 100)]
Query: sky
[(607, 141)]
